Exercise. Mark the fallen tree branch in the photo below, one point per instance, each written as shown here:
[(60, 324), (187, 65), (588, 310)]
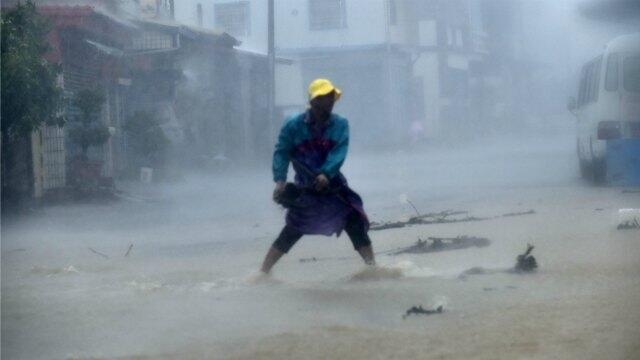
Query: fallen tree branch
[(414, 207), (530, 212), (525, 263), (419, 310), (128, 250), (440, 218), (98, 253), (434, 244)]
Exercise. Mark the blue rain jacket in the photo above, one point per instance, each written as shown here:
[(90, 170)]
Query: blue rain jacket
[(313, 150)]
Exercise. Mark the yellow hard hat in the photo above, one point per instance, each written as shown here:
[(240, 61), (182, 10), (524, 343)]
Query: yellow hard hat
[(319, 87)]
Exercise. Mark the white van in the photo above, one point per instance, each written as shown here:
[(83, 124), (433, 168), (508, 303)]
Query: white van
[(608, 103)]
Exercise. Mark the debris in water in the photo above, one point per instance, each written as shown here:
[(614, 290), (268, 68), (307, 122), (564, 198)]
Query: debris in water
[(419, 310), (530, 212), (426, 219), (98, 253), (405, 200), (478, 270), (315, 259), (70, 269), (628, 219), (434, 244), (443, 217), (128, 250), (375, 273), (629, 224), (526, 262)]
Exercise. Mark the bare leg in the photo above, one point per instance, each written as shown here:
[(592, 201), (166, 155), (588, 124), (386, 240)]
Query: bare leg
[(366, 252), (272, 257)]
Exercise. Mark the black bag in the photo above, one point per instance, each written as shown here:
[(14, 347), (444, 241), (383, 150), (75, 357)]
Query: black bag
[(289, 196)]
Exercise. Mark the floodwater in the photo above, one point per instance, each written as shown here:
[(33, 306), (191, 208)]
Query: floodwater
[(188, 287)]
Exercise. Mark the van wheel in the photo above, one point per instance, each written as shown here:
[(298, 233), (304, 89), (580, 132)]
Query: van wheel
[(599, 171)]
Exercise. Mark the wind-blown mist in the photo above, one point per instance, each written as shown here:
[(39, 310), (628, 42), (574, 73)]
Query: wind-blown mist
[(169, 269)]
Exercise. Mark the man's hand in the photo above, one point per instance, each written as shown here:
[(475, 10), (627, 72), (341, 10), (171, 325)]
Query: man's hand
[(278, 190), (321, 182)]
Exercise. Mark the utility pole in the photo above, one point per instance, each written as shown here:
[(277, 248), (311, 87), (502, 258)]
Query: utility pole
[(272, 72)]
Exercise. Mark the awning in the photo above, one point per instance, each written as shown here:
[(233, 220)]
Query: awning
[(107, 50), (111, 51)]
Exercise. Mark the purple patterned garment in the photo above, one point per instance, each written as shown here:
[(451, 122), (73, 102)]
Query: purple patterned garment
[(315, 150)]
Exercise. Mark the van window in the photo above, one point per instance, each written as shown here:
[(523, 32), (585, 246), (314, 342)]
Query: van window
[(583, 85), (631, 73), (589, 85), (595, 80), (611, 78)]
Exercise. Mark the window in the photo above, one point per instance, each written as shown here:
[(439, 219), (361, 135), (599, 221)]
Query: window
[(589, 83), (150, 40), (199, 14), (582, 92), (631, 73), (595, 80), (233, 17), (455, 37), (611, 78), (327, 14)]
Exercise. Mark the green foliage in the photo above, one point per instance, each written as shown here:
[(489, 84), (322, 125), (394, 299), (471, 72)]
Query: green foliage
[(86, 129), (146, 138), (89, 102), (87, 136), (30, 95)]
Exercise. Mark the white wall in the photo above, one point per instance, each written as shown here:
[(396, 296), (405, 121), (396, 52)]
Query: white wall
[(366, 24), (366, 21), (426, 67)]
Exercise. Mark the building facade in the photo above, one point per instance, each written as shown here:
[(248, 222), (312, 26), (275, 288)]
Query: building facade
[(206, 93), (407, 67)]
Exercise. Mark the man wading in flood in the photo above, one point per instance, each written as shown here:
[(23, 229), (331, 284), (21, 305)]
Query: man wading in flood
[(316, 143)]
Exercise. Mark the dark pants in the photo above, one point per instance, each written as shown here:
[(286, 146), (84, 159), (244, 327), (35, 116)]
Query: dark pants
[(355, 228)]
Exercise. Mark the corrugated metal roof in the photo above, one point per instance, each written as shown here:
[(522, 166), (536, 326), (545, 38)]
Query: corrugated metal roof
[(191, 32)]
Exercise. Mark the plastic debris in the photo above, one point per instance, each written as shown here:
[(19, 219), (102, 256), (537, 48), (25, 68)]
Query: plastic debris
[(419, 310)]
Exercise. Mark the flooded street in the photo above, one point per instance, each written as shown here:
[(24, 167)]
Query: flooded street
[(187, 287), (483, 154)]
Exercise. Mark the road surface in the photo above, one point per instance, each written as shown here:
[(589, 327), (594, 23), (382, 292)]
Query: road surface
[(186, 290)]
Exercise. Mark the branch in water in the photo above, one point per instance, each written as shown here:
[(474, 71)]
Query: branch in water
[(98, 253), (128, 250)]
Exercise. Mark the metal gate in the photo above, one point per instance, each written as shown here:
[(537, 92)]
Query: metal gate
[(53, 158)]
